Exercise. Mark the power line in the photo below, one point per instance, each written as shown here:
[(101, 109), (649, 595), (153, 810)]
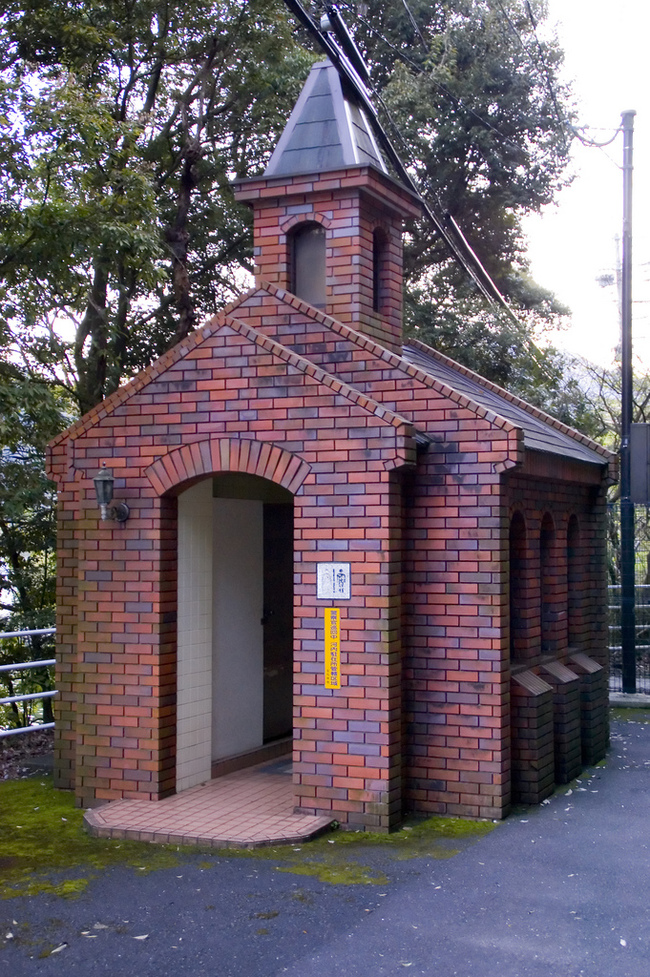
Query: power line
[(575, 131), (445, 225), (592, 142), (456, 100), (414, 25), (451, 236)]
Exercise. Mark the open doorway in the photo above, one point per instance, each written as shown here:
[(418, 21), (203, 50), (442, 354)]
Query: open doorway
[(235, 625)]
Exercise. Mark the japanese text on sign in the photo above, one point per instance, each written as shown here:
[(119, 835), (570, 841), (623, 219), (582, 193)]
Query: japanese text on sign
[(332, 648), (333, 581)]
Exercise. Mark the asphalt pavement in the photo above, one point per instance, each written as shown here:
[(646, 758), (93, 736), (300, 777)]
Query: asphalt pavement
[(562, 890)]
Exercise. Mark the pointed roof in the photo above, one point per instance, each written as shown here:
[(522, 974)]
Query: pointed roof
[(327, 130)]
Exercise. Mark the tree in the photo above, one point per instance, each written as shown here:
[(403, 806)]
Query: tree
[(476, 97), (125, 123), (602, 387), (483, 119), (506, 352), (30, 415)]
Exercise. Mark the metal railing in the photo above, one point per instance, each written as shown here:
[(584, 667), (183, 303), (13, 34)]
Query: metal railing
[(21, 667), (642, 638)]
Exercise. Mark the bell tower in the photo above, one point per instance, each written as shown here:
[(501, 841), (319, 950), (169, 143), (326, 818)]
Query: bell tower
[(327, 214)]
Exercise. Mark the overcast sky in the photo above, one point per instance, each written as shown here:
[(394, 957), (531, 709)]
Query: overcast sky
[(574, 244)]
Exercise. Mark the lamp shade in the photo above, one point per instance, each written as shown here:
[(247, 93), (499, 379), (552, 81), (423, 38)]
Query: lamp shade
[(104, 483)]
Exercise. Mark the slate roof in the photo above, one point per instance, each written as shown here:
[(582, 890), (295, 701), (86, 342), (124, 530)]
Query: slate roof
[(541, 432), (327, 130)]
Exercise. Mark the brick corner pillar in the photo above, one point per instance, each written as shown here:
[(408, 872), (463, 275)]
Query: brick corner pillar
[(65, 703), (126, 687), (348, 741), (566, 720), (533, 761), (594, 707)]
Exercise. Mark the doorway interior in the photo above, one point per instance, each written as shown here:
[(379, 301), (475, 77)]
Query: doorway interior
[(235, 625)]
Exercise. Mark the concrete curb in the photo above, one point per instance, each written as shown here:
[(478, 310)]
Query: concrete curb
[(629, 700)]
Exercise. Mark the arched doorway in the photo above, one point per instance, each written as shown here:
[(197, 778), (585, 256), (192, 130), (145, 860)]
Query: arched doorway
[(235, 622), (519, 609)]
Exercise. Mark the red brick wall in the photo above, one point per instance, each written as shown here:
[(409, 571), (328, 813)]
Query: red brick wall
[(349, 204), (456, 591), (456, 691), (566, 585), (234, 403), (423, 717), (66, 627), (567, 501)]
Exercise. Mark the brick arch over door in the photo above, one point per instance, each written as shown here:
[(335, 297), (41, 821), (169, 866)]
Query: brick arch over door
[(188, 680), (208, 457)]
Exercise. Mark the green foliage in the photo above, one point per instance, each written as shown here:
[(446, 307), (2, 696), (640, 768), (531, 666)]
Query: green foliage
[(602, 388), (125, 124), (122, 126), (30, 415), (477, 98), (513, 355), (474, 90)]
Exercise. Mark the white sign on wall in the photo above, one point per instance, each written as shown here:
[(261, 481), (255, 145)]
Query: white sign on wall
[(333, 581)]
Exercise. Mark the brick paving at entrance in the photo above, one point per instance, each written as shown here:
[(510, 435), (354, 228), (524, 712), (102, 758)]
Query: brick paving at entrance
[(248, 808)]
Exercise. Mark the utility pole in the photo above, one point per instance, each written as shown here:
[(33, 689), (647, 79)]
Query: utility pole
[(628, 623)]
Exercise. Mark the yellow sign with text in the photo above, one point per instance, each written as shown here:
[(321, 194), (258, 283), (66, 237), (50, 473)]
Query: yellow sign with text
[(332, 648)]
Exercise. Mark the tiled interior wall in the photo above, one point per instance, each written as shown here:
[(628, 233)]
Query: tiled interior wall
[(238, 690), (194, 691)]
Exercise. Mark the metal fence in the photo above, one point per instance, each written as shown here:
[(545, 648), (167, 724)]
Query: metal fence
[(642, 634), (16, 677)]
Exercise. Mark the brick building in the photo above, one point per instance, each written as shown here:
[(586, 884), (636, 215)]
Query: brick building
[(292, 457)]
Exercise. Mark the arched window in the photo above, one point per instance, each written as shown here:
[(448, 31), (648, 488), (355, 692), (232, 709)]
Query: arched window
[(518, 580), (548, 576), (379, 271), (574, 582), (307, 263)]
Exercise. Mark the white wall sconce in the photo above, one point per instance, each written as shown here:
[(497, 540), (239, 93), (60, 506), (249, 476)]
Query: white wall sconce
[(104, 484)]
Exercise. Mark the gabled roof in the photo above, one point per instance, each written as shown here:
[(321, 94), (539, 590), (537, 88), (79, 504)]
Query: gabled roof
[(541, 431), (327, 130), (222, 320)]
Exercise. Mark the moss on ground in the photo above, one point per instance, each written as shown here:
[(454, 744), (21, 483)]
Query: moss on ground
[(628, 715), (339, 857), (44, 848)]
